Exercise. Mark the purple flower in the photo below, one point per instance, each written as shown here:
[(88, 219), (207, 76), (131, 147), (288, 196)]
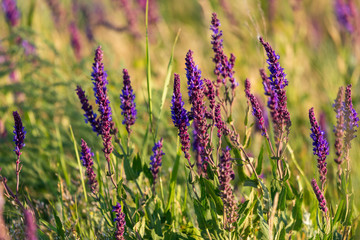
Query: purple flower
[(258, 126), (256, 110), (90, 116), (339, 128), (226, 174), (277, 100), (128, 104), (120, 222), (196, 96), (102, 99), (351, 119), (75, 39), (30, 224), (180, 117), (19, 134), (320, 146), (266, 82), (11, 11), (156, 159), (319, 195), (87, 160), (210, 94), (344, 14), (219, 123), (223, 65)]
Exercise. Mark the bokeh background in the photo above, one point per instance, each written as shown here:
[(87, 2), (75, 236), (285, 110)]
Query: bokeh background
[(48, 50)]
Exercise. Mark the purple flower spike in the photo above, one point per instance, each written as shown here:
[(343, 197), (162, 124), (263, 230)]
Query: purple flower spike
[(320, 146), (102, 99), (223, 65), (120, 222), (256, 109), (196, 95), (30, 224), (75, 40), (351, 119), (210, 94), (90, 116), (156, 159), (128, 104), (180, 117), (339, 128), (219, 123), (87, 160), (19, 132), (278, 99), (344, 15), (226, 174), (319, 195), (11, 11)]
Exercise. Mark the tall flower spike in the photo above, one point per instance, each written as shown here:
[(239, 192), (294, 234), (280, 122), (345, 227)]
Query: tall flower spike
[(278, 99), (128, 104), (320, 146), (120, 222), (11, 11), (219, 123), (180, 118), (102, 99), (319, 195), (256, 110), (156, 160), (344, 15), (226, 174), (19, 134), (339, 128), (196, 95), (87, 160), (90, 116), (351, 120), (210, 94), (75, 40), (30, 224)]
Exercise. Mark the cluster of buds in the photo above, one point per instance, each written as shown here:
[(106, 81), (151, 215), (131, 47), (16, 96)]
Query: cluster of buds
[(119, 221), (128, 105), (156, 159), (87, 160)]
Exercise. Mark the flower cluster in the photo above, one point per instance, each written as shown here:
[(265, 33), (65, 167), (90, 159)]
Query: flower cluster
[(256, 109), (319, 195), (226, 174), (87, 160), (30, 224), (90, 116), (196, 96), (275, 87), (339, 128), (128, 104), (180, 117), (19, 134), (11, 11), (120, 222), (219, 123), (223, 65), (156, 159), (320, 146), (345, 14), (351, 119)]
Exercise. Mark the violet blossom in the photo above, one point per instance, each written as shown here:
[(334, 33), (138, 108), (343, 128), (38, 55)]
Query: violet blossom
[(119, 221), (128, 104), (156, 159), (319, 195), (19, 134), (11, 12), (87, 161), (339, 128)]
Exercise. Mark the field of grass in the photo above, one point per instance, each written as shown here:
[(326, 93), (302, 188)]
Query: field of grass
[(47, 49)]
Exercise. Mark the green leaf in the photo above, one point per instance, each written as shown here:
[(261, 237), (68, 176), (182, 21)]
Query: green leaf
[(297, 213), (137, 165), (130, 175), (340, 211), (282, 199), (173, 178), (211, 190), (266, 197), (260, 161), (200, 214), (264, 227), (251, 183), (59, 226)]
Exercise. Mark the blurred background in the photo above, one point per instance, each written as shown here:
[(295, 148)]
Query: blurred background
[(47, 49)]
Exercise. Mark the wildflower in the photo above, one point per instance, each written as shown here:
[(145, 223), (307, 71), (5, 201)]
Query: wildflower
[(196, 96), (180, 118), (30, 224), (226, 174), (120, 222), (102, 99), (219, 123), (11, 11), (87, 160), (90, 116), (156, 159), (75, 39), (258, 126), (319, 195), (344, 15), (351, 120), (128, 104), (277, 100), (320, 146), (223, 65), (257, 112), (19, 134), (339, 128), (210, 94)]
